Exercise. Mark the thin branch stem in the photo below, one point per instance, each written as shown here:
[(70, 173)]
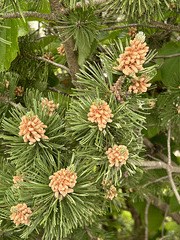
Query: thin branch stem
[(7, 100), (58, 91), (146, 220), (155, 181), (49, 17), (156, 25), (89, 234), (168, 56), (169, 144), (49, 61), (169, 170)]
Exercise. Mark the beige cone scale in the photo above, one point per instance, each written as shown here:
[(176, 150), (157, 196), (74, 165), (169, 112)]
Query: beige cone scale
[(61, 50), (100, 113), (49, 106), (32, 129), (116, 88), (62, 182), (117, 155), (49, 56), (139, 84), (19, 91), (132, 60), (132, 32), (21, 214), (16, 180), (111, 193)]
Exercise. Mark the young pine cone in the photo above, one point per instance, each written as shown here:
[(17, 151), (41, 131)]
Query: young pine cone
[(49, 56), (49, 106), (17, 179), (21, 214), (117, 155), (111, 193), (100, 113), (62, 182), (132, 60), (117, 89), (140, 84), (132, 32), (19, 91), (61, 50), (32, 129)]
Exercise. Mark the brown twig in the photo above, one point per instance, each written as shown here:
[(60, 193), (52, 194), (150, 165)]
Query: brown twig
[(49, 61), (155, 181), (58, 91), (156, 25), (168, 56), (89, 234), (7, 100), (49, 17)]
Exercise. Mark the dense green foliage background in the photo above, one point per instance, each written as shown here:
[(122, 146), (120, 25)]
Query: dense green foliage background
[(94, 34)]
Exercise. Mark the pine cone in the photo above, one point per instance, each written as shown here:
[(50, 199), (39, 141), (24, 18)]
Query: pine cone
[(139, 84), (32, 129), (17, 179), (132, 32), (61, 50), (117, 89), (117, 154), (49, 56), (21, 214), (49, 106), (100, 113), (111, 193), (19, 91), (132, 60), (62, 182)]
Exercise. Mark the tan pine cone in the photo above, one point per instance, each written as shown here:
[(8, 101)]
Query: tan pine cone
[(111, 193), (17, 179), (100, 113), (49, 106), (132, 60), (116, 88), (19, 91), (6, 83), (32, 129), (140, 84), (132, 32), (62, 182), (61, 50), (49, 56), (117, 155), (21, 214)]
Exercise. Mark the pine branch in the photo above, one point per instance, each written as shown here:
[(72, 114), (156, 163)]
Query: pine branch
[(71, 54), (95, 2), (155, 181), (7, 100), (58, 91), (158, 165), (157, 25), (49, 61), (49, 17)]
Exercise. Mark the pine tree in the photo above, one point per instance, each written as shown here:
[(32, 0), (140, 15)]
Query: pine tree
[(89, 119)]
